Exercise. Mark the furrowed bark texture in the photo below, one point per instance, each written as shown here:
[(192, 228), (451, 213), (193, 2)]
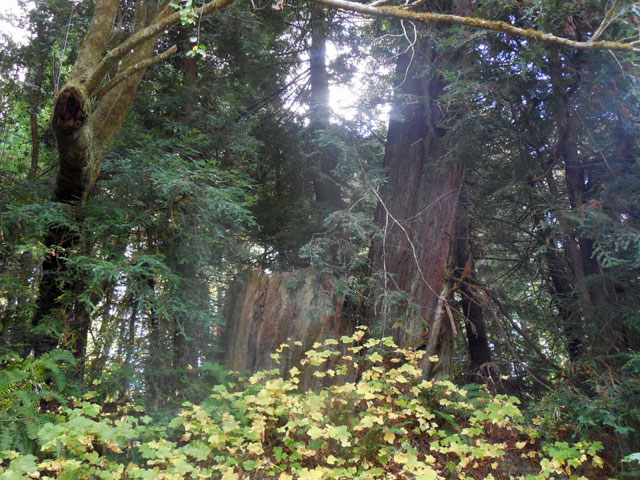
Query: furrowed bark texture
[(264, 311), (421, 193)]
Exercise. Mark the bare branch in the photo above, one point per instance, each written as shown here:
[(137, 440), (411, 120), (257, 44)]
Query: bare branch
[(606, 21), (523, 334), (492, 25), (487, 302), (122, 76)]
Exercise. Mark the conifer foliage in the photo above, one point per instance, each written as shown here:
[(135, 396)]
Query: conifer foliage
[(475, 209)]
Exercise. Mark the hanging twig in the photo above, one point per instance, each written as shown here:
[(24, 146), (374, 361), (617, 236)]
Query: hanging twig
[(486, 300), (442, 300), (64, 47), (606, 21), (522, 333)]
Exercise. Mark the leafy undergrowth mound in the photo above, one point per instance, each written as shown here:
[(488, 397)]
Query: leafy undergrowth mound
[(377, 420)]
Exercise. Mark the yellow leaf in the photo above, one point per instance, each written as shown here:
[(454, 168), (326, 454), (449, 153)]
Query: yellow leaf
[(400, 458), (389, 436), (434, 358), (331, 460), (230, 474), (520, 445), (357, 336), (315, 474), (285, 476), (430, 474)]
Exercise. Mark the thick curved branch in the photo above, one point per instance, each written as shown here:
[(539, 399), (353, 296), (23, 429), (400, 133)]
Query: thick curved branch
[(122, 76), (97, 38), (165, 21), (492, 25)]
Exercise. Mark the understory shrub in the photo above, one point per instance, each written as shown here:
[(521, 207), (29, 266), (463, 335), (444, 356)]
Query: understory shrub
[(375, 418)]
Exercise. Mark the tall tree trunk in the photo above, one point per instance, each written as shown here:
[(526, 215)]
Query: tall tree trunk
[(324, 158), (561, 290), (465, 277), (190, 329), (189, 79), (43, 44), (34, 109), (589, 283), (84, 130), (561, 282), (155, 367), (418, 210)]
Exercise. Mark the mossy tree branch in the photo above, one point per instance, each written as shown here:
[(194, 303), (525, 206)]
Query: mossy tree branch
[(128, 72), (492, 25)]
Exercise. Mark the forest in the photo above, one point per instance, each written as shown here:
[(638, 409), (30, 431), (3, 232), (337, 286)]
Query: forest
[(320, 239)]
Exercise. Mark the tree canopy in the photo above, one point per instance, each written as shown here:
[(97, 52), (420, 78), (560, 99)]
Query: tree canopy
[(181, 198)]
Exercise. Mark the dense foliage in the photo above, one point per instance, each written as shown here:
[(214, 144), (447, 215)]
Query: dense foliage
[(388, 424), (475, 204)]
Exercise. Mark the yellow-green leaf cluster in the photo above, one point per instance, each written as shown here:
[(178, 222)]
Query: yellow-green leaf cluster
[(377, 419)]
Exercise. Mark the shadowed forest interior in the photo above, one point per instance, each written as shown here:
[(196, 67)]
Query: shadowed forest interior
[(320, 239)]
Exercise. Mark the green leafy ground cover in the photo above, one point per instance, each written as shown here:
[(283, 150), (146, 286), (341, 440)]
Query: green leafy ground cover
[(375, 419)]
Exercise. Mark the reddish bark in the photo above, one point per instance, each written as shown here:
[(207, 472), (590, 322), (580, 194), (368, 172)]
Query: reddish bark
[(264, 311), (421, 193)]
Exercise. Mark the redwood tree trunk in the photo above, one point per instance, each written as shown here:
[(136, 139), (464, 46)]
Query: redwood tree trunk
[(418, 211), (262, 312)]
